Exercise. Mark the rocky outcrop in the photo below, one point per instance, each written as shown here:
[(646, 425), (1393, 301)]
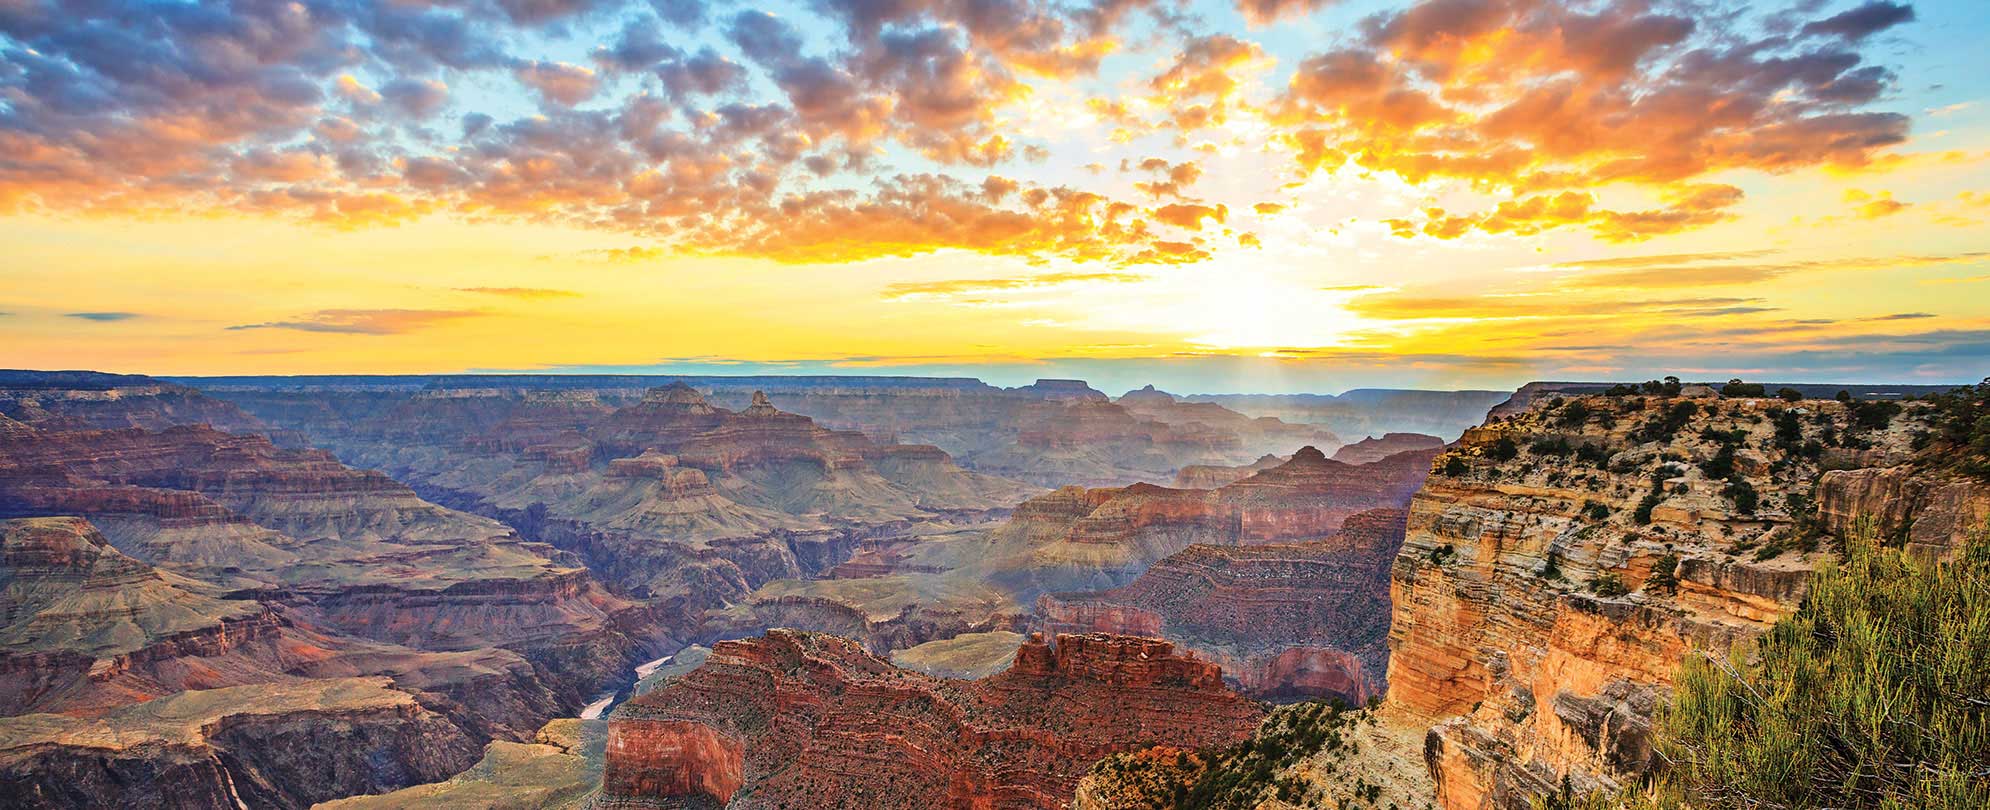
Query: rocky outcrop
[(1929, 511), (1376, 448), (792, 719), (559, 768), (1563, 560), (1288, 620), (271, 745)]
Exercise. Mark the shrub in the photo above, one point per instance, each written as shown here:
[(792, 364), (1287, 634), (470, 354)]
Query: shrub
[(1551, 447), (1243, 775), (1871, 695), (1960, 419), (1666, 424), (1874, 414), (1789, 395), (1744, 496), (1737, 388), (1664, 575), (1608, 585), (1503, 450), (1454, 467), (1574, 416)]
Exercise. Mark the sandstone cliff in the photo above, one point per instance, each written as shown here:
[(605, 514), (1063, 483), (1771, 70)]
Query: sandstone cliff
[(1562, 560), (790, 719)]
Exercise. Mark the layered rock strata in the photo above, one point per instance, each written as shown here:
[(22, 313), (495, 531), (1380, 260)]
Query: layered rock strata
[(792, 719), (1562, 560), (1286, 620)]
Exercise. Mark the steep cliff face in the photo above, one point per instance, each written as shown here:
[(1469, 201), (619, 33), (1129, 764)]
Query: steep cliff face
[(1561, 561), (792, 719), (1287, 620), (270, 745), (1930, 512)]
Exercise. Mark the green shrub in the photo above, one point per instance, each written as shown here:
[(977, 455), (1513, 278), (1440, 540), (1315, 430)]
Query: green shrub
[(1608, 585), (1244, 775), (1503, 450), (1666, 424), (1875, 693), (1789, 395), (1664, 575), (1744, 496), (1737, 388)]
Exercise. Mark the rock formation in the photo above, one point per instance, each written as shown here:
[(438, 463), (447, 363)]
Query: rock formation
[(1377, 448), (793, 719), (1288, 620), (1563, 560), (273, 745)]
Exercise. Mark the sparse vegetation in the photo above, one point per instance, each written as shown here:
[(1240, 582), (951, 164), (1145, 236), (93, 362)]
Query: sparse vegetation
[(1239, 776), (1960, 421), (1874, 694), (1737, 388), (1666, 425), (1608, 585), (1503, 450)]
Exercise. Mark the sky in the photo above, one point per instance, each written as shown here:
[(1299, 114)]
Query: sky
[(1257, 195)]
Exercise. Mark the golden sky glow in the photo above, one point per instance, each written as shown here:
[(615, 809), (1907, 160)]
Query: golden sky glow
[(1448, 193)]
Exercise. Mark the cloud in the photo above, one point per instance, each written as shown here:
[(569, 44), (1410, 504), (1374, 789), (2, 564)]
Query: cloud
[(1189, 216), (102, 317), (1863, 21), (1536, 100), (418, 98), (558, 82), (365, 321), (1266, 12), (971, 288), (529, 293), (1714, 275)]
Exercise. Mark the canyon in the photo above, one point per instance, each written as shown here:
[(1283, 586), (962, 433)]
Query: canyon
[(397, 591)]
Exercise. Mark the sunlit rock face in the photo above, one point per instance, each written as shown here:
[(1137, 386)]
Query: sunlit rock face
[(1535, 623), (787, 718)]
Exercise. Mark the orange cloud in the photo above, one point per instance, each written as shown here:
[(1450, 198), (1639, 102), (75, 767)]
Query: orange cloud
[(1190, 216), (1533, 98)]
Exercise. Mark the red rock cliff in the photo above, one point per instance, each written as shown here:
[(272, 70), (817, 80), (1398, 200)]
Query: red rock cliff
[(793, 719)]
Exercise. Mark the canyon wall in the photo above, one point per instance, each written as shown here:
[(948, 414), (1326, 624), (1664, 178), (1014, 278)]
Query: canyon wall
[(1562, 559), (794, 719)]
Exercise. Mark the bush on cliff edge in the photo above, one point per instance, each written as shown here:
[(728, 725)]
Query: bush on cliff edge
[(1875, 693)]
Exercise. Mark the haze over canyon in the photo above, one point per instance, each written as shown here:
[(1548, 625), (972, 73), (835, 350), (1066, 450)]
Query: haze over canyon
[(995, 404)]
